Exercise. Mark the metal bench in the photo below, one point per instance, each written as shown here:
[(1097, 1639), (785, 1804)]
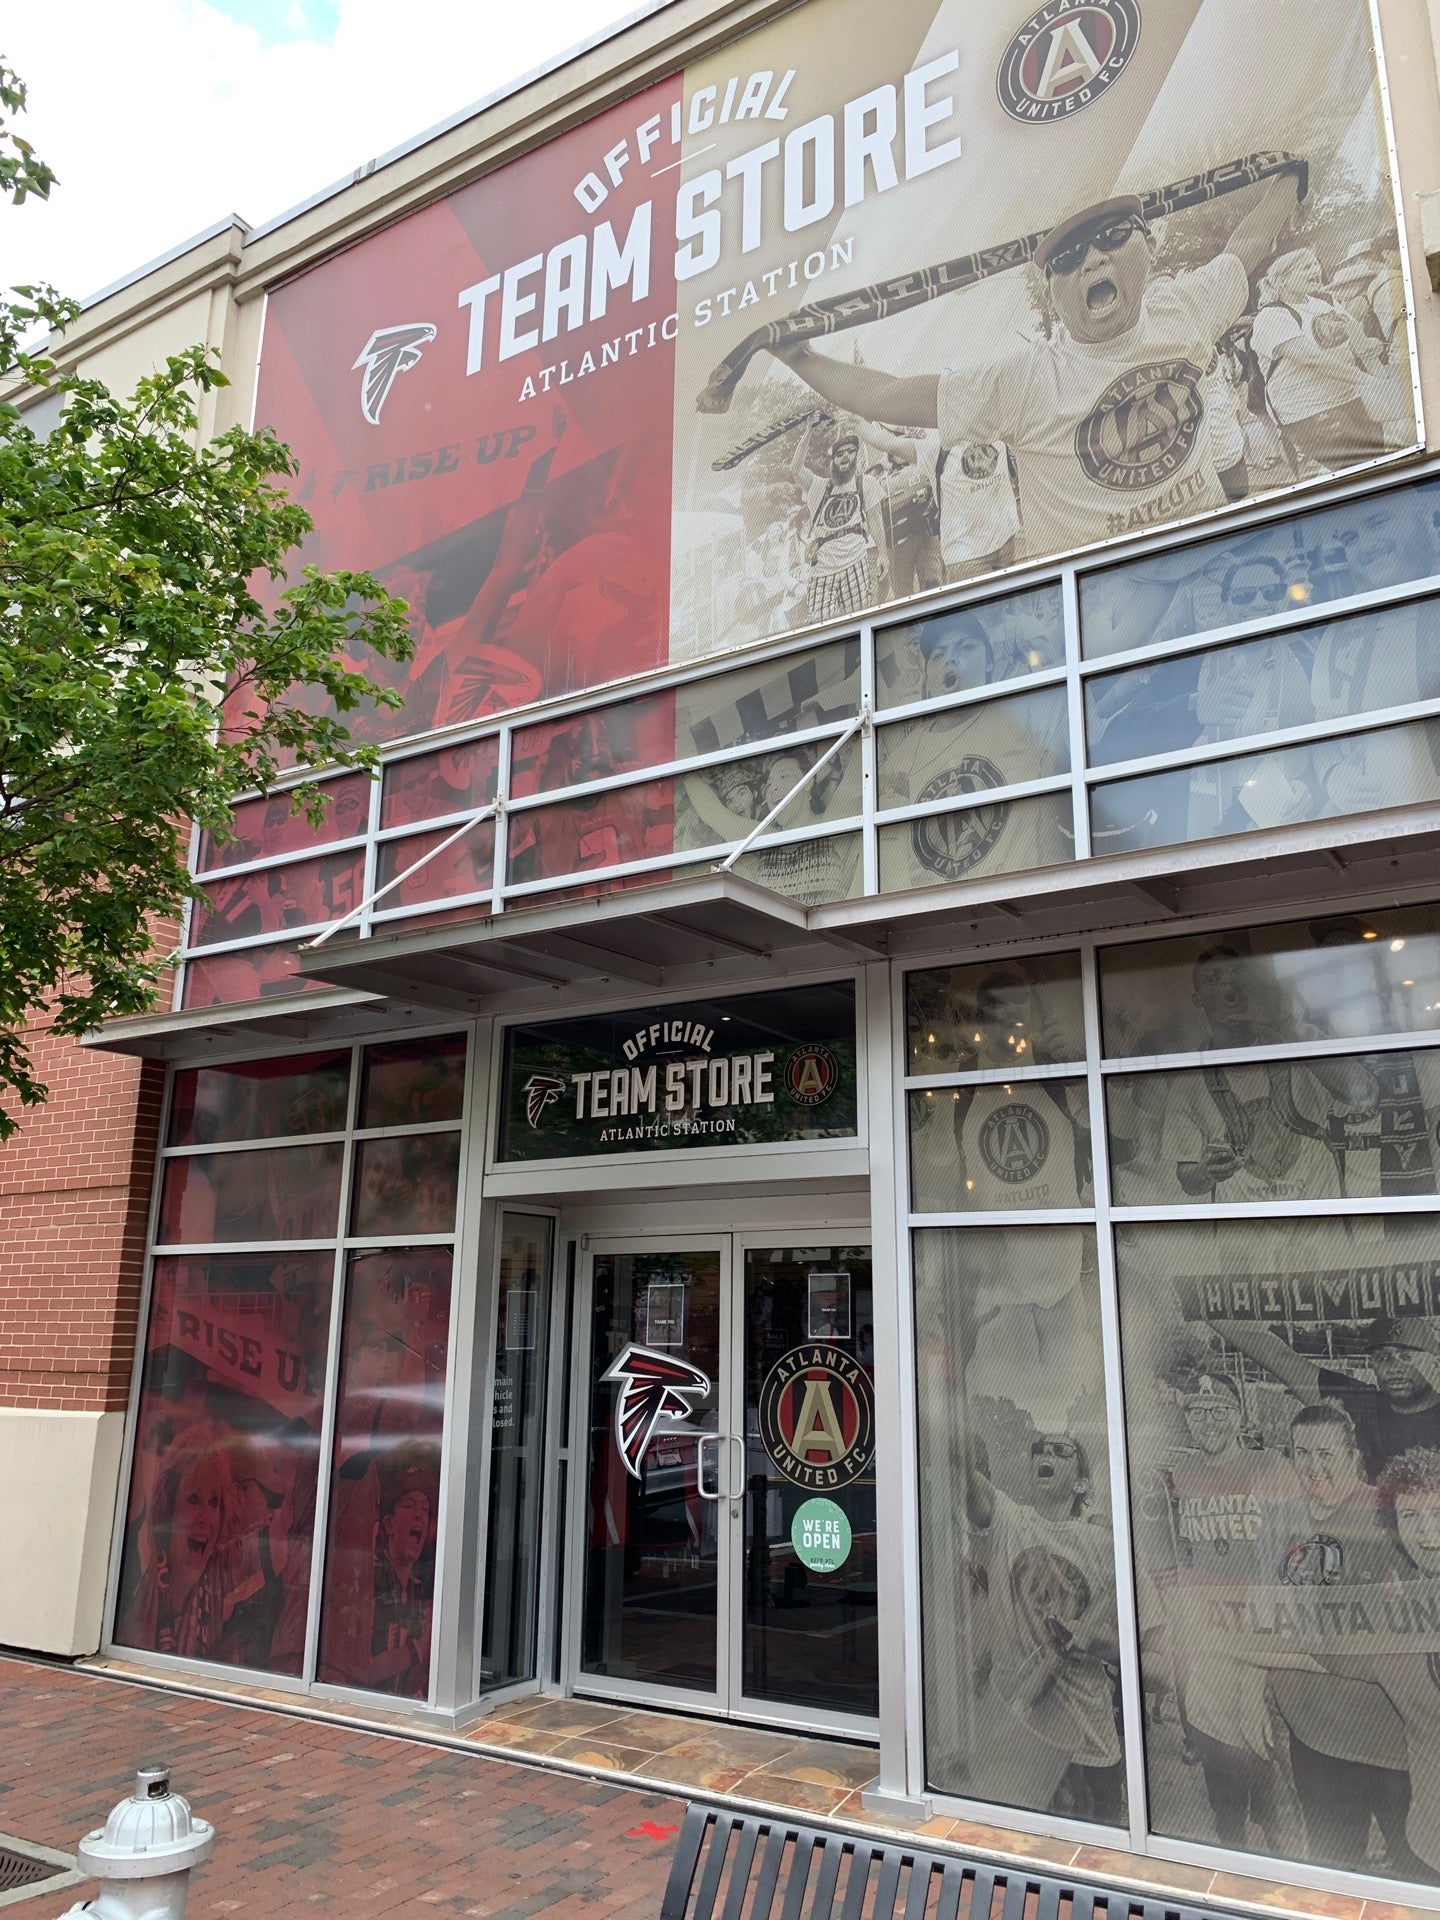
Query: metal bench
[(736, 1866)]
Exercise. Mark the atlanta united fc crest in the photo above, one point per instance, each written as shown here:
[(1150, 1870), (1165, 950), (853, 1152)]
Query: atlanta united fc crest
[(812, 1074), (952, 844), (1065, 57), (817, 1417), (1015, 1143), (1144, 427)]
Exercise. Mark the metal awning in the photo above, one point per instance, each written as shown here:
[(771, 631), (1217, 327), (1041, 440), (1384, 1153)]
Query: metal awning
[(673, 933), (693, 932), (1315, 864), (320, 1017), (718, 931)]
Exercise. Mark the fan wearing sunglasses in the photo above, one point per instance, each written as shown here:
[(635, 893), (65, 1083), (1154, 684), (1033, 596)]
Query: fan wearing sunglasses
[(1264, 685), (1103, 409)]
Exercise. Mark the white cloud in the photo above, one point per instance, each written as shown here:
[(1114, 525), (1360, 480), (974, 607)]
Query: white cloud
[(163, 116)]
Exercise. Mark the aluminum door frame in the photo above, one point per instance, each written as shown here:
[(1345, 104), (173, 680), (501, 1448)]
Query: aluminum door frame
[(727, 1701), (716, 1703), (742, 1707)]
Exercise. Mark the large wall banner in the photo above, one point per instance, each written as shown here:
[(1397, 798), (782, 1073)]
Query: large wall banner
[(871, 301)]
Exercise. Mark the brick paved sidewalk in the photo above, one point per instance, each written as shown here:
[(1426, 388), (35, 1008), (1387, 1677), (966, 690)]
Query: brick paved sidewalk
[(313, 1817)]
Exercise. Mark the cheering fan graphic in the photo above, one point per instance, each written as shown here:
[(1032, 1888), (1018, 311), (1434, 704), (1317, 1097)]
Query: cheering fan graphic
[(838, 313), (651, 1385)]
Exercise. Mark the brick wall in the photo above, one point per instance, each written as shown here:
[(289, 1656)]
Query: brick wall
[(74, 1203)]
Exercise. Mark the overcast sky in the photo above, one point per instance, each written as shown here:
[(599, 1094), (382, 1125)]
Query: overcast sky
[(163, 116)]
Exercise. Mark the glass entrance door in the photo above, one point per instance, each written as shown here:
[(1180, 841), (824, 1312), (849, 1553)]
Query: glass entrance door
[(729, 1557), (809, 1638), (657, 1546)]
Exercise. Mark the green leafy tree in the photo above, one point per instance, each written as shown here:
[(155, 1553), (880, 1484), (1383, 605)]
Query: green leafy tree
[(141, 572)]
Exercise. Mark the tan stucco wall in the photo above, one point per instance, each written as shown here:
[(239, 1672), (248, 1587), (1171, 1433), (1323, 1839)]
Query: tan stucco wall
[(184, 302), (61, 1472), (123, 358)]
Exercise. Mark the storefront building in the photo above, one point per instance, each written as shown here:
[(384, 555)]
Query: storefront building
[(848, 1138)]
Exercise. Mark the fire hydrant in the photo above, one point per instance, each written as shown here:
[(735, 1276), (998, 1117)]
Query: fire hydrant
[(143, 1854)]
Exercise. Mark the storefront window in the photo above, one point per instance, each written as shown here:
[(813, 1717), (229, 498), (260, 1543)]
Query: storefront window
[(607, 829), (274, 1193), (411, 1083), (1328, 1126), (513, 1539), (1341, 975), (379, 1585), (1280, 1379), (1360, 665), (265, 828), (968, 749), (970, 647), (1018, 1594), (1282, 1392), (406, 1184), (726, 803), (1023, 1143), (259, 1099), (221, 1516), (759, 703), (303, 893), (253, 973), (1303, 560), (1358, 773), (466, 866), (1002, 1013), (427, 786), (597, 745), (996, 836), (223, 1502)]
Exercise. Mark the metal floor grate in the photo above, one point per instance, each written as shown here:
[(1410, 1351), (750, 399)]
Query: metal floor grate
[(20, 1869)]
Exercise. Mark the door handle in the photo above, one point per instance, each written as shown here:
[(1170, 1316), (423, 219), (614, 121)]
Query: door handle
[(707, 1493), (737, 1490)]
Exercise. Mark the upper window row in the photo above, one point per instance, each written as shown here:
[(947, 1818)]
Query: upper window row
[(1287, 565), (403, 1083), (1343, 976), (1300, 560)]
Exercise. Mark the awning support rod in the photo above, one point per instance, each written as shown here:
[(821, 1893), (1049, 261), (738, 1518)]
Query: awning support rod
[(485, 813), (861, 720)]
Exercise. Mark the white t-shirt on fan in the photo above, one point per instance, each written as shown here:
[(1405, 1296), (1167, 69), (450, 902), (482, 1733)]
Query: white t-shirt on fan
[(1297, 391), (1110, 436)]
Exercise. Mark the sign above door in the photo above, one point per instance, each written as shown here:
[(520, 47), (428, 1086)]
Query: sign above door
[(755, 1068)]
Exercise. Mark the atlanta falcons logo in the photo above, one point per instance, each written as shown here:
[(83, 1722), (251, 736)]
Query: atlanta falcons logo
[(542, 1090), (651, 1385), (388, 352)]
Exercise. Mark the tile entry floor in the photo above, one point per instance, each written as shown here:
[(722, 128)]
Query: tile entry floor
[(704, 1756)]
